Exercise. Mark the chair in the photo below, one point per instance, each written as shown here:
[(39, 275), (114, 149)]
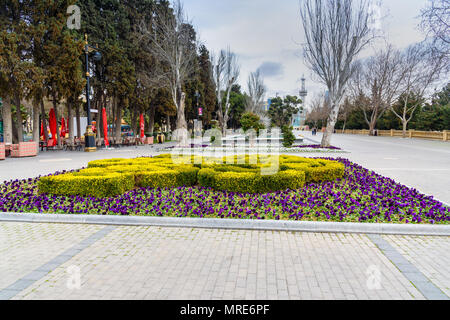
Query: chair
[(51, 144), (125, 142), (77, 144)]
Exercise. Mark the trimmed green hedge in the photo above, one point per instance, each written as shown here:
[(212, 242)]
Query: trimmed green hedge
[(112, 177), (105, 186), (249, 182)]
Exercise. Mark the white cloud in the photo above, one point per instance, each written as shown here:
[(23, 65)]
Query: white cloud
[(267, 31)]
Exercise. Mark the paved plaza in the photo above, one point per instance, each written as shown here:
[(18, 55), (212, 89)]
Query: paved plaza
[(420, 164), (75, 261), (47, 261)]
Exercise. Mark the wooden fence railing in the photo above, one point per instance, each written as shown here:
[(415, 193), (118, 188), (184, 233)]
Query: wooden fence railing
[(433, 135)]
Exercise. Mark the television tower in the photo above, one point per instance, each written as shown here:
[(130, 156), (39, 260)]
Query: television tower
[(303, 91)]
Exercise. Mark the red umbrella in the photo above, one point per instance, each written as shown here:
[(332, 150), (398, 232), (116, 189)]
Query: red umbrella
[(142, 127), (53, 124), (105, 127), (42, 130), (63, 127)]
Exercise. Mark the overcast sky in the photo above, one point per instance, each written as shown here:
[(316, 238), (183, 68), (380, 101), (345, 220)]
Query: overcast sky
[(267, 34)]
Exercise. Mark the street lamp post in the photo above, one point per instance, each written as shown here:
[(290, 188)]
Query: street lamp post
[(90, 145)]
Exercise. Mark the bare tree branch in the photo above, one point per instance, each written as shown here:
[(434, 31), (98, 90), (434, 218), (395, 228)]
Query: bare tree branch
[(256, 92), (336, 31)]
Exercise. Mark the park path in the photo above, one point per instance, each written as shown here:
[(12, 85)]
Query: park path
[(416, 163), (60, 261)]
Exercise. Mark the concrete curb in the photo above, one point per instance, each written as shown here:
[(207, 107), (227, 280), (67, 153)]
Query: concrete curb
[(264, 225)]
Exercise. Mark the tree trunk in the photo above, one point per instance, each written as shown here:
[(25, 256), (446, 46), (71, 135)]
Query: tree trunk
[(98, 136), (118, 119), (134, 120), (151, 119), (19, 120), (181, 134), (225, 125), (78, 120), (44, 120), (98, 126), (220, 117), (372, 126), (113, 123), (36, 124), (55, 107), (7, 121), (167, 123), (331, 123), (70, 123), (405, 128)]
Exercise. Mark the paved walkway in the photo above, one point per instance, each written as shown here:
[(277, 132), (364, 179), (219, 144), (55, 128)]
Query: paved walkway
[(417, 163), (51, 161), (59, 261), (48, 261)]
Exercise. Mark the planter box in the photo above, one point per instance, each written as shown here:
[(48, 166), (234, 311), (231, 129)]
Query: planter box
[(148, 140), (24, 149), (2, 151)]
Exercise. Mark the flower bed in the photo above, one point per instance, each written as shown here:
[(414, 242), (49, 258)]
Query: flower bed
[(112, 177), (316, 146), (259, 149), (361, 196)]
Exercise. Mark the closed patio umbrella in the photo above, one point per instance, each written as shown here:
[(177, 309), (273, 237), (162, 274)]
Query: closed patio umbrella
[(53, 124), (142, 126), (105, 127), (63, 128), (42, 134)]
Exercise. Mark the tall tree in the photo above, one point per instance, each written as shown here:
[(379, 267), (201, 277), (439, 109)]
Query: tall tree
[(208, 95), (281, 110), (436, 22), (226, 73), (173, 43), (378, 78), (18, 73), (336, 31), (256, 92), (421, 66)]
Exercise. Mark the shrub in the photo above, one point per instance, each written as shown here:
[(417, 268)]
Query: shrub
[(156, 179), (253, 182), (241, 173), (317, 171), (283, 180), (288, 136), (206, 178), (104, 186), (249, 121), (241, 182), (186, 176)]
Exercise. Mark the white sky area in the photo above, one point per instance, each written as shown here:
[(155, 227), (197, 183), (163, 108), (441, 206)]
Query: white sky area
[(267, 34)]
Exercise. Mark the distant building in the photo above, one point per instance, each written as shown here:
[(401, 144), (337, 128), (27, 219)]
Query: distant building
[(299, 119)]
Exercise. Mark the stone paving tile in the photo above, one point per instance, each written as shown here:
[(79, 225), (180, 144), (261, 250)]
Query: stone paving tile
[(176, 263), (24, 247), (429, 254)]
